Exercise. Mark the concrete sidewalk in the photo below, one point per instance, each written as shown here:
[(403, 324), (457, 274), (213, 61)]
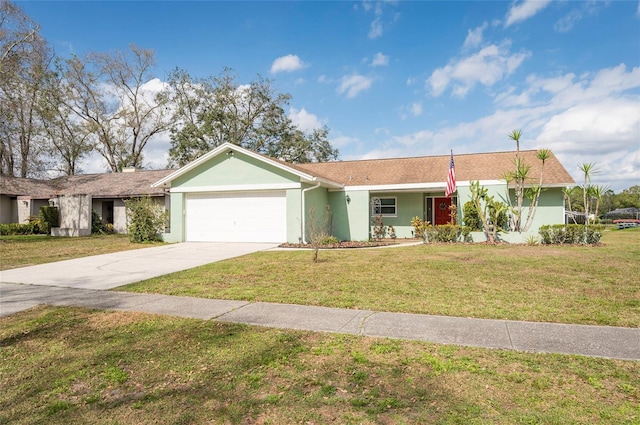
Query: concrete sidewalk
[(595, 341)]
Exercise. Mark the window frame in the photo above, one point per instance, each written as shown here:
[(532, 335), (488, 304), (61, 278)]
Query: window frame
[(381, 206)]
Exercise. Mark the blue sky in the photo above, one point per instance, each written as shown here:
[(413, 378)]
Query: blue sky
[(400, 78)]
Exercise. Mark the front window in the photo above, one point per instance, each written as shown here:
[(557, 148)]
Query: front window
[(386, 207)]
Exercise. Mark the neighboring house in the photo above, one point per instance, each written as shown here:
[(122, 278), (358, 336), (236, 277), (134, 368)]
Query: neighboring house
[(77, 196), (622, 213), (232, 194)]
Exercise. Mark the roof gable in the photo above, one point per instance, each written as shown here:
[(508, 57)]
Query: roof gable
[(228, 148)]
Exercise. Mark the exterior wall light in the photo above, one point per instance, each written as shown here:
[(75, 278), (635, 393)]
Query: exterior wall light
[(348, 198)]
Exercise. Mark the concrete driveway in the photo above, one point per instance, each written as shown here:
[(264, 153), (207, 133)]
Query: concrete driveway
[(109, 271)]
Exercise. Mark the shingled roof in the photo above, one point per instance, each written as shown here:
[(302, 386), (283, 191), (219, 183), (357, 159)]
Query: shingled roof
[(374, 172), (105, 185), (433, 169)]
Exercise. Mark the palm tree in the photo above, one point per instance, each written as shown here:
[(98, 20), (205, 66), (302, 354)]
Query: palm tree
[(597, 193), (587, 169), (568, 192), (542, 155)]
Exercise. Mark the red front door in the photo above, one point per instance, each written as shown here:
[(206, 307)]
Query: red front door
[(441, 212)]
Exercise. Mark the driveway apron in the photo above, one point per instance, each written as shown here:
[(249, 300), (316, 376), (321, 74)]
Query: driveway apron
[(109, 271)]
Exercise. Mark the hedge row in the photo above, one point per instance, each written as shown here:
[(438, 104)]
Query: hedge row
[(34, 227), (447, 233), (570, 234)]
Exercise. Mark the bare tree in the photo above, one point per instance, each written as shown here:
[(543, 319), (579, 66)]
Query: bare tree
[(68, 137), (16, 31), (24, 61), (109, 94)]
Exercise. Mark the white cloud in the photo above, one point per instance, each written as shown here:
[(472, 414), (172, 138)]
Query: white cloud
[(287, 63), (590, 118), (566, 24), (377, 26), (304, 120), (598, 128), (574, 16), (521, 11), (353, 84), (375, 30), (414, 110), (486, 67), (341, 141), (474, 37), (380, 60)]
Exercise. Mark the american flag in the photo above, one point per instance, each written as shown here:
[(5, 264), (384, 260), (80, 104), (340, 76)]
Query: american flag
[(451, 178)]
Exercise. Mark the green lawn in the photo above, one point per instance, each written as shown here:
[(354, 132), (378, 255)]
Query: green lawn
[(567, 284), (22, 251), (77, 366)]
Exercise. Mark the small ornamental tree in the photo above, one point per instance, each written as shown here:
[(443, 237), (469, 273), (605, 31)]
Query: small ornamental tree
[(320, 234), (490, 212), (146, 219), (519, 178)]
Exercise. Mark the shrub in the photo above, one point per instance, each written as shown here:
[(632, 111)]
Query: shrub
[(49, 217), (571, 234), (419, 227), (97, 226), (146, 219), (447, 233), (379, 228), (33, 227), (328, 240), (470, 216)]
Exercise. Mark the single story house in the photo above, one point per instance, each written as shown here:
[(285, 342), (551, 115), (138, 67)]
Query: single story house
[(233, 194), (76, 196), (622, 213)]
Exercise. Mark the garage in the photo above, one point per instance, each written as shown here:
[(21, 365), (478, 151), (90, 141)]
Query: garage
[(236, 217)]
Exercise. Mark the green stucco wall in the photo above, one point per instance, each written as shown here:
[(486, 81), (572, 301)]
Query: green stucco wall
[(550, 210), (238, 169), (350, 220), (176, 218), (317, 218), (408, 205)]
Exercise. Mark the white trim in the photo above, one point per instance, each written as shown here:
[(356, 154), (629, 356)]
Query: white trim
[(231, 147), (467, 183), (236, 188), (504, 182), (402, 186), (430, 186)]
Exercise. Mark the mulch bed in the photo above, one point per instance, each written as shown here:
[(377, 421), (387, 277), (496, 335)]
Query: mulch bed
[(343, 244)]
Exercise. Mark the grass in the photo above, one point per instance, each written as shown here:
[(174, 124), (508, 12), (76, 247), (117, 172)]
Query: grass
[(566, 284), (77, 366), (22, 251)]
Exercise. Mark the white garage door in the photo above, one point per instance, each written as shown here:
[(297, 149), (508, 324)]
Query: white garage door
[(237, 217)]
